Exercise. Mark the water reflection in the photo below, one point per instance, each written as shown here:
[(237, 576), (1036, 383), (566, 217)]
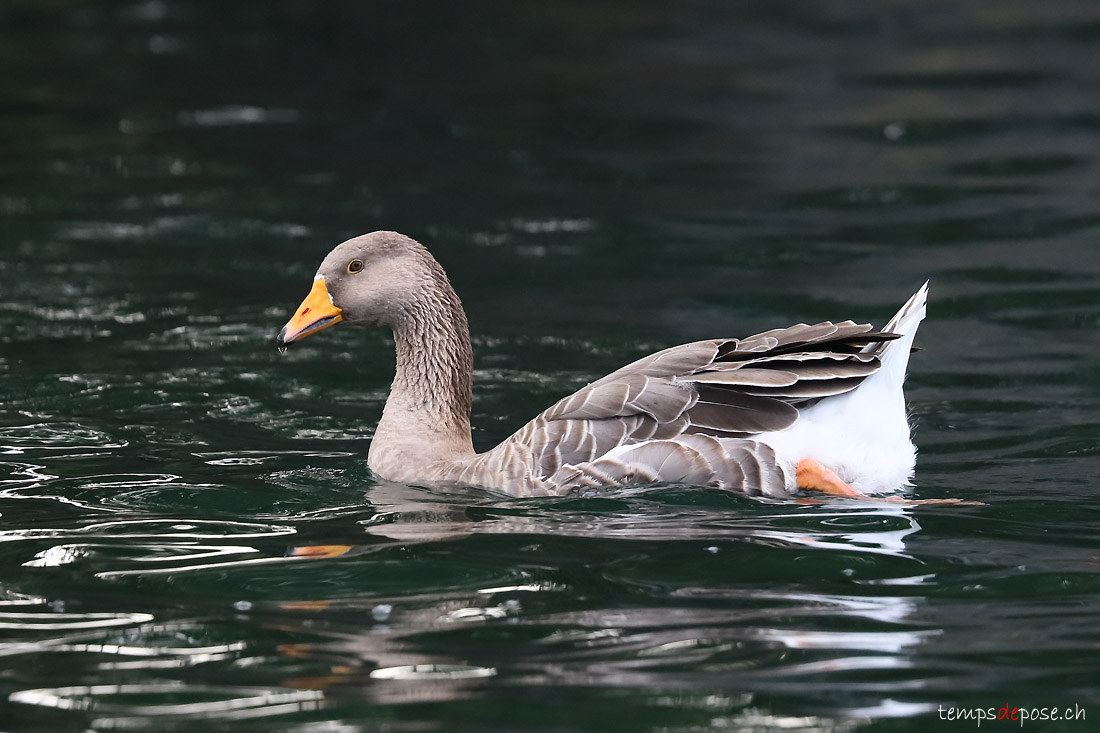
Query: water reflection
[(14, 598), (72, 438), (736, 643), (397, 647), (653, 588), (66, 621), (187, 529), (225, 703), (22, 475), (414, 514)]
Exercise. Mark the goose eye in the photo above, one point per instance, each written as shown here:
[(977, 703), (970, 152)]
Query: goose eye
[(355, 266)]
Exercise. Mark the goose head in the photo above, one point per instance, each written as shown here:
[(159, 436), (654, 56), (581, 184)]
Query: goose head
[(373, 280)]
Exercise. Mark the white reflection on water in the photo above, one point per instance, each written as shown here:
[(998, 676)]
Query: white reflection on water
[(886, 542), (186, 529), (13, 598), (175, 570), (177, 656), (115, 488), (409, 514), (432, 672), (66, 554), (529, 587), (98, 642), (68, 621), (32, 473), (880, 641), (56, 556), (146, 657), (174, 541), (110, 699), (481, 613), (48, 437)]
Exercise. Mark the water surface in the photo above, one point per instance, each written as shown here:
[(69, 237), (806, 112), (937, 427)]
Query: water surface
[(189, 533)]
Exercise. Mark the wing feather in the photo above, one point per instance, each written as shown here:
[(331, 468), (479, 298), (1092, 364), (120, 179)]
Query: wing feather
[(690, 411)]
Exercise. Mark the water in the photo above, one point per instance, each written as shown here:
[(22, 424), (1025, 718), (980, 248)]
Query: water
[(190, 534)]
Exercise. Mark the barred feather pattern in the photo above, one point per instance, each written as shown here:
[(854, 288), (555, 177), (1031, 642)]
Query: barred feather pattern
[(685, 415)]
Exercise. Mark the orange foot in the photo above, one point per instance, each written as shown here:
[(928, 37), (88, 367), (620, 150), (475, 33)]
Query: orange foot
[(813, 475)]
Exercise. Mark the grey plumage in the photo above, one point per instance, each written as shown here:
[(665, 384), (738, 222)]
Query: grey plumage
[(687, 414)]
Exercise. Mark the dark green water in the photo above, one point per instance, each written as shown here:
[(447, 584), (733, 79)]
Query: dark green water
[(600, 179)]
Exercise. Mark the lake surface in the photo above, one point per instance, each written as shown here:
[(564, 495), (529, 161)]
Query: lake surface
[(189, 535)]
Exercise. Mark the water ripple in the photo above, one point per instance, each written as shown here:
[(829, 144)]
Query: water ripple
[(225, 702), (190, 536), (50, 437), (414, 672), (188, 529), (69, 621)]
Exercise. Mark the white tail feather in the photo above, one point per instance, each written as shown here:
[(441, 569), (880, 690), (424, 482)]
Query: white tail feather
[(895, 354), (862, 435)]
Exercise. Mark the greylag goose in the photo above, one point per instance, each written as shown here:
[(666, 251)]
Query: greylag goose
[(807, 407)]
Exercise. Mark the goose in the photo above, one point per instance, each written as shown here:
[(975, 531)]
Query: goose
[(817, 407)]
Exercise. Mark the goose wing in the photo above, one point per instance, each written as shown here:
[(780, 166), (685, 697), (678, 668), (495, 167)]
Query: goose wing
[(717, 389)]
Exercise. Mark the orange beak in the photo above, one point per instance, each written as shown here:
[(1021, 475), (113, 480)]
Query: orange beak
[(317, 311)]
